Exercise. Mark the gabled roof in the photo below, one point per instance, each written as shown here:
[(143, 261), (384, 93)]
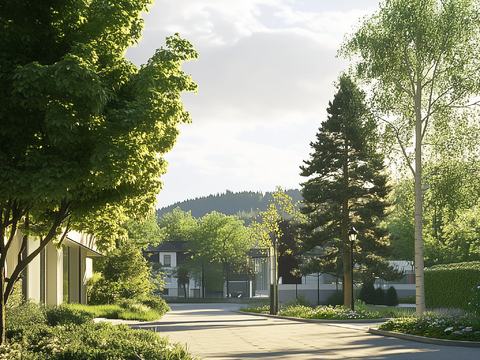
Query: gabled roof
[(168, 246)]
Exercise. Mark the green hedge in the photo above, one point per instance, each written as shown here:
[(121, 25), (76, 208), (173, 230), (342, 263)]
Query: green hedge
[(450, 285)]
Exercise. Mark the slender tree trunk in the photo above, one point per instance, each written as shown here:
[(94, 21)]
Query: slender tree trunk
[(347, 261), (2, 303), (419, 264)]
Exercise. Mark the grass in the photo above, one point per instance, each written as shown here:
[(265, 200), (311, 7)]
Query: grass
[(119, 311), (320, 312)]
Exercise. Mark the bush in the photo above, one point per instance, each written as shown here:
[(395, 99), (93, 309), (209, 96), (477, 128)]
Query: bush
[(379, 298), (336, 298), (367, 293), (156, 303), (28, 315), (391, 298), (91, 341), (65, 315), (407, 299), (450, 285)]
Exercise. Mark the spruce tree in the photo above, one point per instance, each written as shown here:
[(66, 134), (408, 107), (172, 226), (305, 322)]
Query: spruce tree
[(346, 186)]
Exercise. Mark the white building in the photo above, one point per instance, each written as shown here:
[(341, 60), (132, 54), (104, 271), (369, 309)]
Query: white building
[(56, 276)]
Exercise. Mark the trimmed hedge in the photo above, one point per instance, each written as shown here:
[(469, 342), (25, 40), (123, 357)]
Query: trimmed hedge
[(450, 285)]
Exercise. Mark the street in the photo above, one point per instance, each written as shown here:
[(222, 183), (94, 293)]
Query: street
[(214, 331)]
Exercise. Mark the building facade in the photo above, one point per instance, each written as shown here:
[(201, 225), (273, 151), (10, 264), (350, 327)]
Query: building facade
[(56, 276)]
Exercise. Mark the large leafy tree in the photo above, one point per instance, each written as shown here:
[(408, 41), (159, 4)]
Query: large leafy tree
[(220, 239), (346, 186), (82, 130), (421, 60)]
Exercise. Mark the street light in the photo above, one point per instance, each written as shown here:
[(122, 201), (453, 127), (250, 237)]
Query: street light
[(352, 235)]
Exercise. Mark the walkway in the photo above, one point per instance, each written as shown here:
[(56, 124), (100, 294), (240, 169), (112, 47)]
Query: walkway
[(213, 331)]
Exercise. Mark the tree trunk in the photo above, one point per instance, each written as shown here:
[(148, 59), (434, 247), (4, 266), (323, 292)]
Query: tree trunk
[(2, 303), (347, 261), (419, 264)]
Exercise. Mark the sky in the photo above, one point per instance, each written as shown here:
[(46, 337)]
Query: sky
[(265, 74)]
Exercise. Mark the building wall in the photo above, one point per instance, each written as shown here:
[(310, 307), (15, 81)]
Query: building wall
[(46, 275)]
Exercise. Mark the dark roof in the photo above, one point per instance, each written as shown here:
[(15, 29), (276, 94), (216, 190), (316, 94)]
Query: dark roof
[(168, 246)]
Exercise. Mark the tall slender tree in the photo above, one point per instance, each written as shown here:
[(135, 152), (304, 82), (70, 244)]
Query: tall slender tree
[(421, 60), (346, 186)]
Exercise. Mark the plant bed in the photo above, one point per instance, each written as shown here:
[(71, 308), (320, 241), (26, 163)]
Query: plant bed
[(447, 324), (319, 313)]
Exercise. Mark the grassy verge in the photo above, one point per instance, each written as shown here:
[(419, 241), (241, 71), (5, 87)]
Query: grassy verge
[(119, 311), (320, 312)]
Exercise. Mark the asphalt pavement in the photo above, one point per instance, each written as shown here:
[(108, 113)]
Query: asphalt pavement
[(216, 331)]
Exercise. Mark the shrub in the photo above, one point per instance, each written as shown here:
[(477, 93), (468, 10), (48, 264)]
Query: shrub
[(28, 315), (407, 299), (391, 298), (156, 303), (336, 298), (379, 298), (367, 293), (91, 341), (450, 285), (64, 315)]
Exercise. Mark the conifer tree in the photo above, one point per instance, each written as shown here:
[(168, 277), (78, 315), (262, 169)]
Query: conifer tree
[(346, 186)]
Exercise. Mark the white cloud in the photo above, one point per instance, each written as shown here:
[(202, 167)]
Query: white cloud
[(265, 77)]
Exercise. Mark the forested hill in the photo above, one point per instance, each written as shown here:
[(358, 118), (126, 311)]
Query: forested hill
[(229, 203)]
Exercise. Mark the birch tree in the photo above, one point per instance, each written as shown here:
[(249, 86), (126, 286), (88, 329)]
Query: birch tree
[(421, 61)]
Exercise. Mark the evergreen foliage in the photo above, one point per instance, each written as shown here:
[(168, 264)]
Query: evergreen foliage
[(379, 296), (367, 293), (245, 204), (346, 186), (391, 297)]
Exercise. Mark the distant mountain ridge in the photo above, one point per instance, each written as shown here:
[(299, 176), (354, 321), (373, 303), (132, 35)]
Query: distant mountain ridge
[(228, 203)]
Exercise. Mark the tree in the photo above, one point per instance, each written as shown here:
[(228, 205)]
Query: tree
[(346, 186), (421, 61), (143, 233), (267, 229), (220, 239), (125, 275), (83, 130), (178, 225)]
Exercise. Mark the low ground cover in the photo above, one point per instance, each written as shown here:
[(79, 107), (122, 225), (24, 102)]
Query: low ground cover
[(451, 324), (126, 310), (60, 333), (320, 312)]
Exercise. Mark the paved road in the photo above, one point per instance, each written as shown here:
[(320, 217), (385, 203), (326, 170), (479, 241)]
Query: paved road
[(213, 331)]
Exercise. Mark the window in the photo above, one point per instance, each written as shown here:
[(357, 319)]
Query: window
[(167, 260)]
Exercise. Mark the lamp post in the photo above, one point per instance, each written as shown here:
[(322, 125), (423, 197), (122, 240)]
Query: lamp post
[(352, 235)]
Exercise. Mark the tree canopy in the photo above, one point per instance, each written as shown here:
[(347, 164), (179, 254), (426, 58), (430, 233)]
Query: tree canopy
[(421, 61), (83, 130)]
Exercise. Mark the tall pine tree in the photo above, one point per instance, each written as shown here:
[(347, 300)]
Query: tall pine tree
[(346, 186)]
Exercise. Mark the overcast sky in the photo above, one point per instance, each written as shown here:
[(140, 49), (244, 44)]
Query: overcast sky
[(265, 76)]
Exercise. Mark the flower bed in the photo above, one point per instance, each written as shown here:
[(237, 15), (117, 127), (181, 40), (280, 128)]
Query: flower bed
[(321, 312), (450, 325)]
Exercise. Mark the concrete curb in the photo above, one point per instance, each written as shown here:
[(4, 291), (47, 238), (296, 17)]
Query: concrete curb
[(427, 340)]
